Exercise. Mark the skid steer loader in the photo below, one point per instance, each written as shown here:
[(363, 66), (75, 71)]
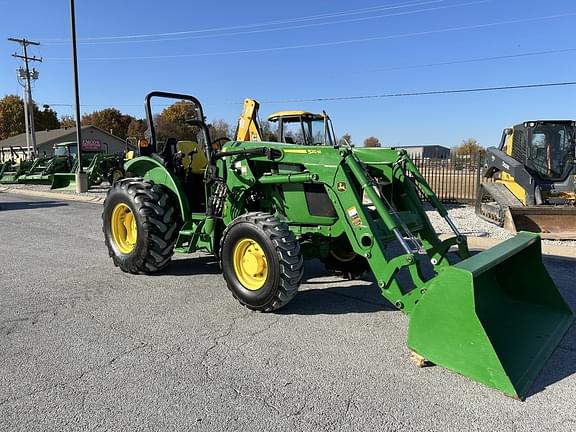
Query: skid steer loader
[(262, 208), (534, 180)]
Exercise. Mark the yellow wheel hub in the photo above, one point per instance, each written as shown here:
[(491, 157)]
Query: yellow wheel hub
[(250, 264), (124, 228)]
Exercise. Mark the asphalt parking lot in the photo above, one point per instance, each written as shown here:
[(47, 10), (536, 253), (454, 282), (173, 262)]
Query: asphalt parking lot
[(84, 346)]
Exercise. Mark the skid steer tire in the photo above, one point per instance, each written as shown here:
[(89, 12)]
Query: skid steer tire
[(261, 261), (140, 225)]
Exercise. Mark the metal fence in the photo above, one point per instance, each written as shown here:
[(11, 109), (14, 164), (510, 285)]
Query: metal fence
[(454, 179)]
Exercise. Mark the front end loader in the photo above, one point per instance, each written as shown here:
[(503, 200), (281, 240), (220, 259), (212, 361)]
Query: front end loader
[(97, 166), (262, 208)]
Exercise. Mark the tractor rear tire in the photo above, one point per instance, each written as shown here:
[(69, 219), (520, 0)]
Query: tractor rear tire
[(140, 225), (344, 261), (115, 174), (261, 261)]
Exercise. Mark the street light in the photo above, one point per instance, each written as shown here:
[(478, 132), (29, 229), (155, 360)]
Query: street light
[(81, 179)]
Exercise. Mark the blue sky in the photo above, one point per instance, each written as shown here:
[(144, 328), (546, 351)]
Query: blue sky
[(222, 52)]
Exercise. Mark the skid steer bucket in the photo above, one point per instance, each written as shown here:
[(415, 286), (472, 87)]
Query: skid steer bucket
[(495, 317), (63, 181), (555, 223)]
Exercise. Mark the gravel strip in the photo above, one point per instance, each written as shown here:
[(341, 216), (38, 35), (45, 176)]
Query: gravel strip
[(471, 225)]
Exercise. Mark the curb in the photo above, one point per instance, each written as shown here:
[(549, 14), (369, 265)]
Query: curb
[(55, 195)]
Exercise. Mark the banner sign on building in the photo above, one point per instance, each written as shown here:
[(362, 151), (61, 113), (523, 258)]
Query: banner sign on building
[(91, 144)]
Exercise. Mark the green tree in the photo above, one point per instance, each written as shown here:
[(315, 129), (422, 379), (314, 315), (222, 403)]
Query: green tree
[(11, 116), (109, 119), (136, 128), (171, 122), (12, 120), (372, 142), (46, 119), (469, 147)]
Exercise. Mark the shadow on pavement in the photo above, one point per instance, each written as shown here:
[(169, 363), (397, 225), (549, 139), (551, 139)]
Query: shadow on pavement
[(30, 205), (191, 266), (562, 363), (352, 298)]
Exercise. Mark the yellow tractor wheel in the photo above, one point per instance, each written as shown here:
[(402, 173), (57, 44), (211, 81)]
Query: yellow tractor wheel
[(261, 261), (124, 228), (140, 225)]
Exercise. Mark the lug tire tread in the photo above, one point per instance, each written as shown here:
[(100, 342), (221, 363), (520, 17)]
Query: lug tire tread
[(158, 226), (290, 257)]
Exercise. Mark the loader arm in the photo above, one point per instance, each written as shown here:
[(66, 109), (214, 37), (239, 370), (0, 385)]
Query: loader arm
[(393, 215)]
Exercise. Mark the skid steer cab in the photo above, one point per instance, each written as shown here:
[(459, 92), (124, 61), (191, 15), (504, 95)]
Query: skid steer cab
[(263, 208)]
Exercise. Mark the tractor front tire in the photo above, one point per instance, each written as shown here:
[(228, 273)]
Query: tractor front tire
[(261, 261), (140, 225)]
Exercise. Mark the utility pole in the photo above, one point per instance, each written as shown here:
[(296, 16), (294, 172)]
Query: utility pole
[(81, 178), (27, 75)]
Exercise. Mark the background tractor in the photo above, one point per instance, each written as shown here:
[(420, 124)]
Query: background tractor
[(263, 208), (292, 127), (98, 166), (534, 173)]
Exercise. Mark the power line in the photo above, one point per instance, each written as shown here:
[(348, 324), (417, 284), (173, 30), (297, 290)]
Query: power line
[(379, 96), (293, 27), (326, 44), (264, 24), (428, 93), (474, 60)]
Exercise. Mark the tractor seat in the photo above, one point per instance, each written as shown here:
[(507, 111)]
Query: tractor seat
[(197, 162)]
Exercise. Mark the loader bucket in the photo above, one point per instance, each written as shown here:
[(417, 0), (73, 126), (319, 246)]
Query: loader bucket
[(63, 181), (35, 179), (551, 222), (495, 317)]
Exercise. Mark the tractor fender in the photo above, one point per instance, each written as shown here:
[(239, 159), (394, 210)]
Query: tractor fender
[(152, 169)]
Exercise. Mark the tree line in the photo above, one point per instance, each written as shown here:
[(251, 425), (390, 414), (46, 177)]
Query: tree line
[(170, 122), (109, 119)]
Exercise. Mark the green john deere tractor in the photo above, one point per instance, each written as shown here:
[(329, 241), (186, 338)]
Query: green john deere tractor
[(97, 165), (263, 208)]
